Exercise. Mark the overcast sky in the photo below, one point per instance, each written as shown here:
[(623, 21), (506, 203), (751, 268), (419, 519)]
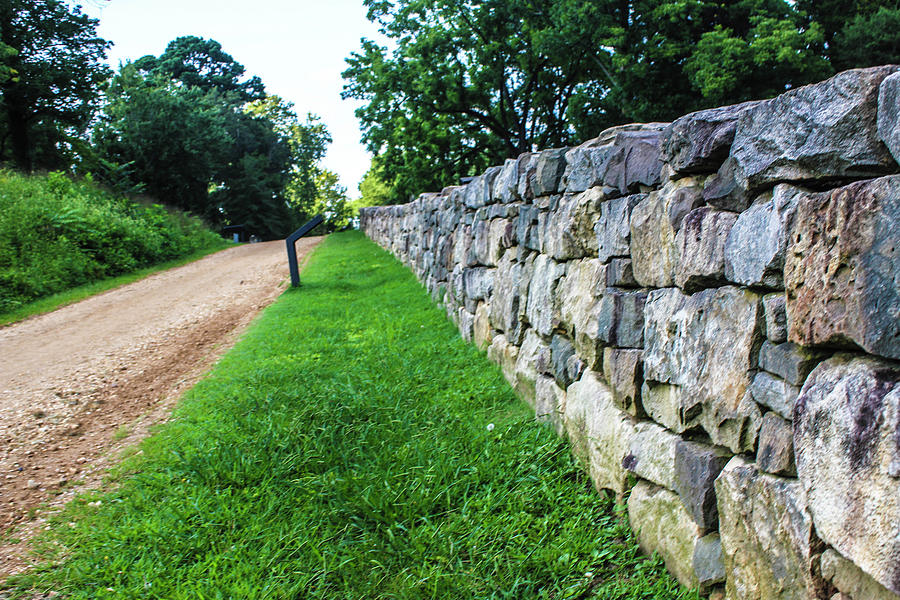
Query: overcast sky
[(297, 47)]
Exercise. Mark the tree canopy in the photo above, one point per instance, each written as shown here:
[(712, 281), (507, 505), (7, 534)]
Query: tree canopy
[(51, 73), (468, 83)]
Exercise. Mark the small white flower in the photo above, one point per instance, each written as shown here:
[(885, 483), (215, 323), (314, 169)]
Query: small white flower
[(490, 427)]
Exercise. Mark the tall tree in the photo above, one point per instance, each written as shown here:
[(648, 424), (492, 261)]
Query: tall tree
[(58, 73)]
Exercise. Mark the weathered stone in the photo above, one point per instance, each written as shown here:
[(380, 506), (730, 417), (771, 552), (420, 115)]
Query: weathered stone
[(477, 285), (789, 361), (635, 161), (821, 131), (575, 367), (561, 350), (479, 250), (587, 164), (842, 271), (847, 444), (775, 393), (579, 295), (613, 228), (701, 248), (501, 236), (620, 318), (466, 324), (851, 580), (623, 370), (619, 273), (542, 309), (776, 317), (776, 446), (527, 166), (654, 223), (479, 191), (550, 402), (533, 360), (507, 306), (507, 182), (548, 171), (482, 332), (569, 229), (651, 454), (754, 252), (703, 346), (889, 114), (598, 431), (506, 355), (726, 190), (526, 227), (699, 142), (662, 525), (708, 561), (767, 534), (696, 468)]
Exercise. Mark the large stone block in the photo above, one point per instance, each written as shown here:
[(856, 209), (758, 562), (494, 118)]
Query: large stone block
[(620, 319), (623, 370), (543, 308), (651, 454), (662, 525), (506, 355), (506, 184), (776, 446), (479, 191), (776, 317), (655, 221), (483, 333), (532, 361), (756, 245), (507, 306), (587, 164), (696, 468), (842, 272), (548, 171), (569, 230), (561, 350), (889, 114), (613, 228), (789, 361), (579, 296), (699, 142), (816, 132), (847, 445), (598, 431), (851, 580), (478, 283), (775, 393), (635, 161), (620, 274), (701, 248), (549, 402), (768, 539), (703, 346)]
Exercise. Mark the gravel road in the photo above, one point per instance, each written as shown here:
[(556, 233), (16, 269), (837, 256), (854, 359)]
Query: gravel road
[(82, 383)]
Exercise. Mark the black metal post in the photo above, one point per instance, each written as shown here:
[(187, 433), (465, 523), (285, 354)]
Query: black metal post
[(292, 250)]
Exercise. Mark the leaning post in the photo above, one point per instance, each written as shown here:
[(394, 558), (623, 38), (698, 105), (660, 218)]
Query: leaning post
[(292, 250)]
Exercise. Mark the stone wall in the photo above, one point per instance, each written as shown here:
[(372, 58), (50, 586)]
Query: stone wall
[(710, 311)]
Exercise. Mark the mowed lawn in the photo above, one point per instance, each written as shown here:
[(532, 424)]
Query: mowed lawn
[(342, 450)]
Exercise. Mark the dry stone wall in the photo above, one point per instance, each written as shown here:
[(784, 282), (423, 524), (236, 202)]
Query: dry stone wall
[(710, 311)]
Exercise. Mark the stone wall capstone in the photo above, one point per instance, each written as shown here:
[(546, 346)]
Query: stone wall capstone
[(709, 310)]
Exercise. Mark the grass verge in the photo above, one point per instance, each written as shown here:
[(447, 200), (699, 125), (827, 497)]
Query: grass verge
[(73, 295), (342, 450)]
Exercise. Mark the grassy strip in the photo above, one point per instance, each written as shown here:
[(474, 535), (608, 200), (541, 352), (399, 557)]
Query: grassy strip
[(73, 295), (342, 450)]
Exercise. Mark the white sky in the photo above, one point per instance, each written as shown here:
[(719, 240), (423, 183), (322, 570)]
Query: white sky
[(296, 47)]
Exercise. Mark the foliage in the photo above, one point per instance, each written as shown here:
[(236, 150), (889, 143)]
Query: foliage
[(469, 83), (341, 450), (56, 233), (332, 202), (50, 85), (374, 190)]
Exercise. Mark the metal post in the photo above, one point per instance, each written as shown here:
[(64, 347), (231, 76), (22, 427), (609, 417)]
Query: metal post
[(292, 250)]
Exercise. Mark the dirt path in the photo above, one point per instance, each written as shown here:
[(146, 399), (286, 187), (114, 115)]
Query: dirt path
[(81, 383)]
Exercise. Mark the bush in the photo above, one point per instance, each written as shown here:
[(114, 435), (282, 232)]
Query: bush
[(56, 233)]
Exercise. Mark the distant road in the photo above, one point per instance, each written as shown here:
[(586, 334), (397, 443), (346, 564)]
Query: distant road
[(93, 376)]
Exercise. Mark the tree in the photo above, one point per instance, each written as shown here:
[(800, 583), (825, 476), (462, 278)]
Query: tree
[(374, 190), (332, 201), (469, 83), (58, 73), (472, 82)]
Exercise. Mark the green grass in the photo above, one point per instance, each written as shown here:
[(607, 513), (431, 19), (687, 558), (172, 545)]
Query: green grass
[(70, 296), (341, 450)]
